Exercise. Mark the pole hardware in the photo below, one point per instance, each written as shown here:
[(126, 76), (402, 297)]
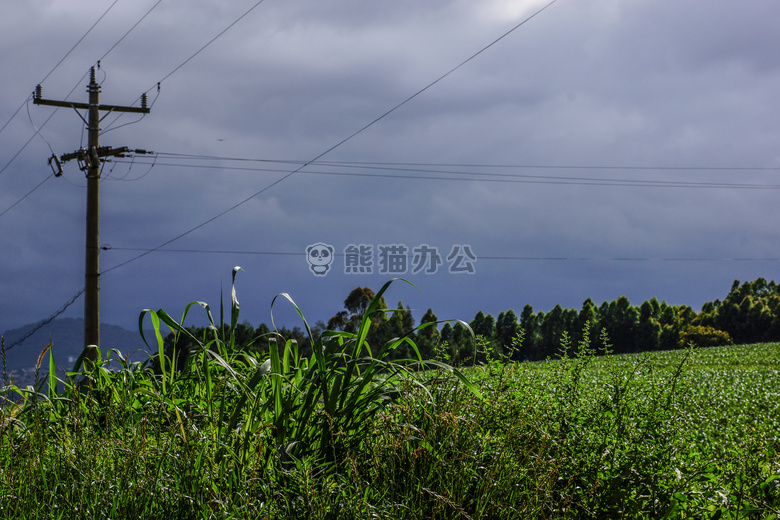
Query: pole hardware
[(56, 165), (88, 158)]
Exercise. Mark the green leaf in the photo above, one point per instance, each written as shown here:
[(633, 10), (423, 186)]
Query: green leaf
[(52, 375)]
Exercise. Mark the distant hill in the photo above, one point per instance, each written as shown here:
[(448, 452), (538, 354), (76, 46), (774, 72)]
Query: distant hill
[(67, 338)]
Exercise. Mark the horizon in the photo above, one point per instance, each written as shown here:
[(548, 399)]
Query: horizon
[(517, 309), (495, 153)]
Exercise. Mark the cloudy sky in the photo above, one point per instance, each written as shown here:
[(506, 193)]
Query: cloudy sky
[(602, 148)]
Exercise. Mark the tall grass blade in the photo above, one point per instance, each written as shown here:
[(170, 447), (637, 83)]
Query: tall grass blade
[(52, 375)]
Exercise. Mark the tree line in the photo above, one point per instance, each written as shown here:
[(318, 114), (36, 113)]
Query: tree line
[(750, 313)]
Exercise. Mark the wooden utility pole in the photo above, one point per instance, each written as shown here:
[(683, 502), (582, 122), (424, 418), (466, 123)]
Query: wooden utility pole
[(90, 161)]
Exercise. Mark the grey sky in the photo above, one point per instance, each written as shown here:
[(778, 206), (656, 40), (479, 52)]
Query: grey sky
[(675, 92)]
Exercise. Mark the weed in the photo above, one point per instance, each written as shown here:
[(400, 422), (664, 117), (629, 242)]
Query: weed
[(210, 427)]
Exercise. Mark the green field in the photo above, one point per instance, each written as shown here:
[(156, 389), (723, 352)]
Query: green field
[(235, 434)]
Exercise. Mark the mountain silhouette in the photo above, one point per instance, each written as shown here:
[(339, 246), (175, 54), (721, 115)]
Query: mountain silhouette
[(67, 338)]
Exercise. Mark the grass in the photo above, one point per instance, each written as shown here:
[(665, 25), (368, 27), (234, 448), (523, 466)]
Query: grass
[(259, 431)]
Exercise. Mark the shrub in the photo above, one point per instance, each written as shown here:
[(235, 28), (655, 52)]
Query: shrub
[(704, 336)]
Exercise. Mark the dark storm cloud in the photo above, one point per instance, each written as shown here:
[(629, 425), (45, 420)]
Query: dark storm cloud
[(599, 83)]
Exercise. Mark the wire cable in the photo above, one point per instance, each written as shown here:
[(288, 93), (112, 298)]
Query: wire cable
[(80, 40), (130, 30), (475, 176), (481, 257), (392, 165), (29, 116), (42, 125), (124, 178), (419, 92), (12, 206), (14, 114), (182, 64), (327, 151), (46, 321), (37, 130), (80, 80), (63, 59), (215, 38), (108, 128), (468, 165)]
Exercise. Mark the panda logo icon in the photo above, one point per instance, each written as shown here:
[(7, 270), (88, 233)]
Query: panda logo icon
[(319, 256)]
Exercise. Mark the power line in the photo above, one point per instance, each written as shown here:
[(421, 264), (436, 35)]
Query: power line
[(337, 145), (37, 131), (626, 259), (481, 257), (182, 64), (79, 81), (136, 24), (80, 40), (129, 30), (558, 166), (14, 114), (215, 38), (474, 176), (422, 90), (470, 165), (109, 127), (63, 59), (199, 251), (565, 181), (9, 208), (46, 321)]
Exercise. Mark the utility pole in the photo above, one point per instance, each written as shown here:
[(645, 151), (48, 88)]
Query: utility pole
[(90, 162)]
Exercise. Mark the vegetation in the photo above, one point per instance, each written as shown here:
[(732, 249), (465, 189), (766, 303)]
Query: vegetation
[(253, 428), (750, 313)]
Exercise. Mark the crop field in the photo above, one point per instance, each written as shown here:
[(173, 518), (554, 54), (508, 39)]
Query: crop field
[(674, 434), (264, 432)]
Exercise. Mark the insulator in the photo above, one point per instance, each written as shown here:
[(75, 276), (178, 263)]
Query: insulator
[(92, 75), (38, 91), (144, 100), (56, 165)]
